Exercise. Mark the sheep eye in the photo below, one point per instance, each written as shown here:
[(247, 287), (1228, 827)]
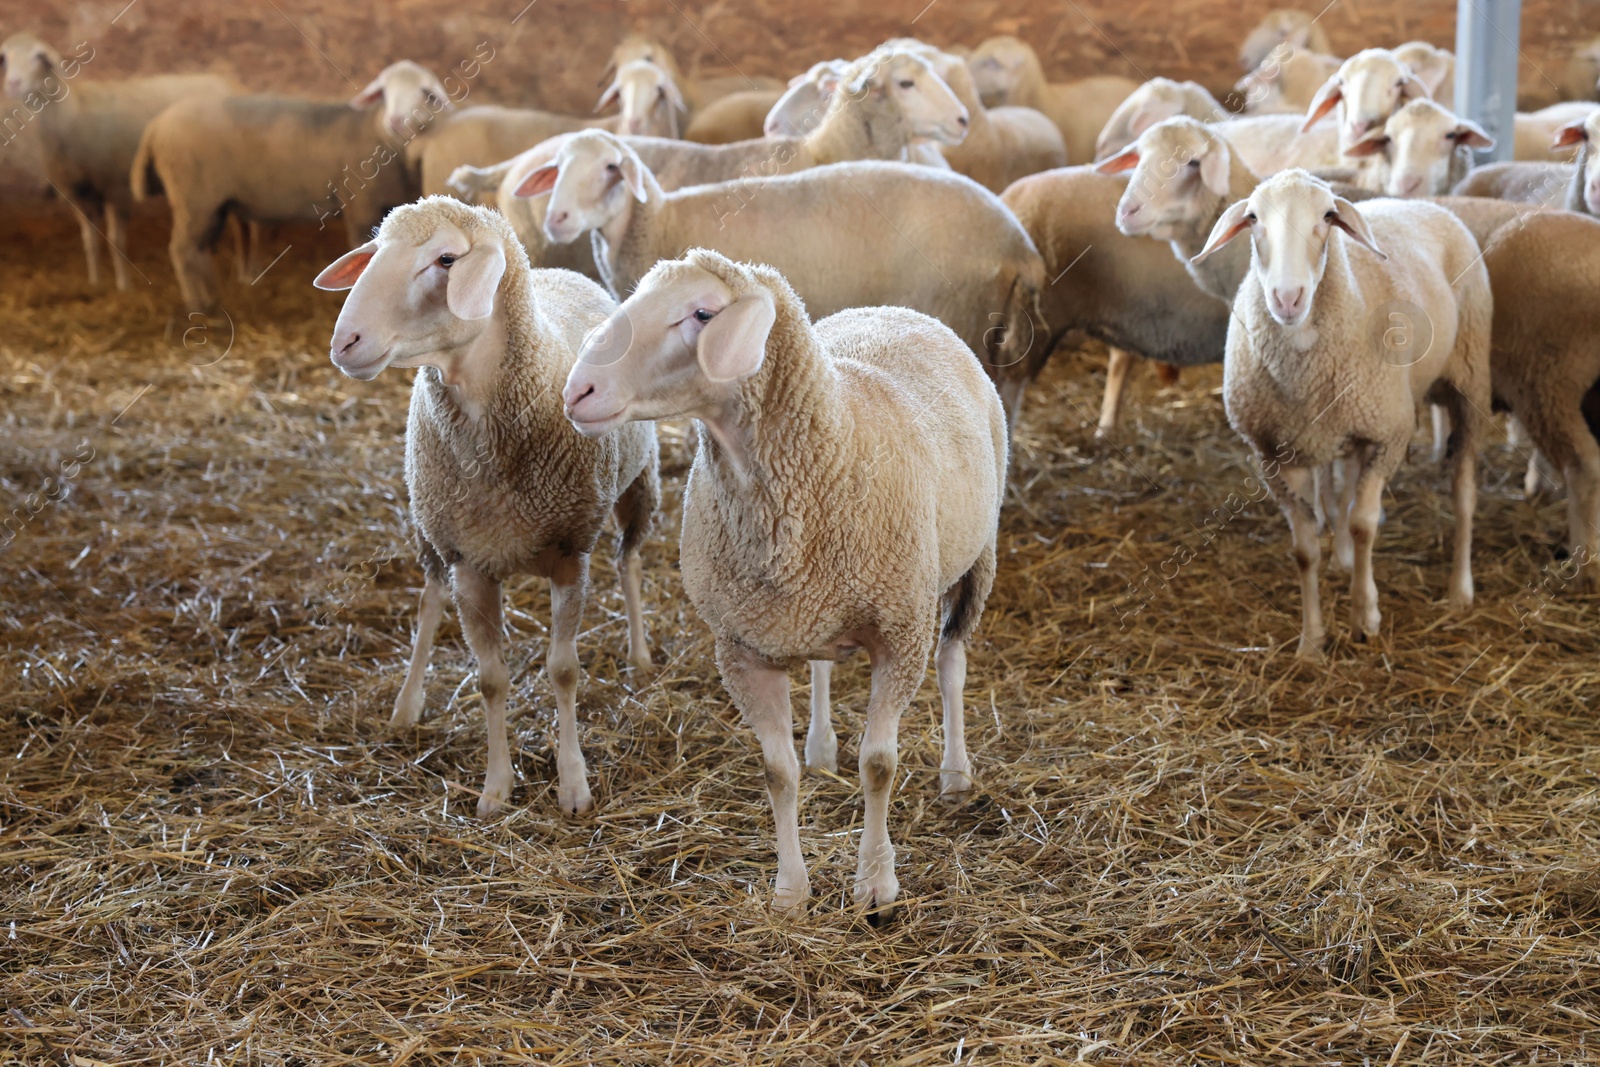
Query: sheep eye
[(704, 316), (1194, 162), (613, 168), (445, 260), (906, 83), (1251, 217), (1330, 216)]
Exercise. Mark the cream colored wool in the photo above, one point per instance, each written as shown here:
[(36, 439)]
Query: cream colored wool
[(1009, 74)]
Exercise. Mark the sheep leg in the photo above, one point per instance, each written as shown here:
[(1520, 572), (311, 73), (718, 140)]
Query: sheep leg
[(822, 744), (1296, 504), (633, 601), (241, 249), (1344, 549), (568, 585), (1364, 614), (1117, 368), (955, 771), (1010, 390), (761, 693), (1463, 452), (91, 244), (1582, 474), (478, 603), (1441, 431), (895, 679), (190, 250), (117, 238), (408, 705)]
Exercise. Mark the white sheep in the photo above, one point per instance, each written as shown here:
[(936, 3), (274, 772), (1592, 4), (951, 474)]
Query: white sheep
[(738, 116), (1546, 362), (279, 159), (881, 537), (1330, 348), (89, 134), (1574, 186), (1286, 81), (1435, 67), (1536, 132), (806, 97), (1366, 89), (1423, 149), (1155, 101), (847, 235), (1581, 78), (488, 133), (1008, 74), (1280, 27), (499, 483), (697, 92)]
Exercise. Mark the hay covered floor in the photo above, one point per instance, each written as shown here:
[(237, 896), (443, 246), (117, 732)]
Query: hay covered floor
[(1185, 846)]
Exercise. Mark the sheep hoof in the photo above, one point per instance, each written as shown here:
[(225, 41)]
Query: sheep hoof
[(407, 710), (791, 900), (954, 785), (640, 661), (822, 754), (1310, 648), (575, 800), (877, 895), (1461, 599), (492, 800)]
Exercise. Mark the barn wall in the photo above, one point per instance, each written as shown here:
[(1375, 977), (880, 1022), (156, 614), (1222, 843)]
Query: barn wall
[(551, 55)]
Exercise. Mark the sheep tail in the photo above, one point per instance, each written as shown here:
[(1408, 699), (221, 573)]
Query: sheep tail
[(144, 179), (964, 601)]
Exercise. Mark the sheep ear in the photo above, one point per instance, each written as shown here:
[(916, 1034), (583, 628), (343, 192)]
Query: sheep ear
[(1414, 88), (1571, 133), (343, 272), (1150, 113), (1472, 135), (1127, 159), (607, 98), (1326, 100), (1230, 225), (734, 343), (474, 279), (368, 96), (1351, 221), (605, 75), (633, 175), (1370, 145), (674, 94), (538, 182), (1214, 169)]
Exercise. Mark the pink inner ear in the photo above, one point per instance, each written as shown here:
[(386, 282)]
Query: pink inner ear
[(1328, 104), (1126, 160), (1571, 133), (539, 182), (343, 275)]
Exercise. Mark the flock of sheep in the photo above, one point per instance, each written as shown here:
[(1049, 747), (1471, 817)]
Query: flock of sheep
[(848, 283)]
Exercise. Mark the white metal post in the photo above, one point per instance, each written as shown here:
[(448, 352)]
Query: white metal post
[(1487, 34)]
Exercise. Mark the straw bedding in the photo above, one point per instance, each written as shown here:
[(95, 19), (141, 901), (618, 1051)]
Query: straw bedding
[(1184, 847)]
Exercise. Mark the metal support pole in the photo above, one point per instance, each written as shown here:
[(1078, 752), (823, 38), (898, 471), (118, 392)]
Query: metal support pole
[(1487, 34)]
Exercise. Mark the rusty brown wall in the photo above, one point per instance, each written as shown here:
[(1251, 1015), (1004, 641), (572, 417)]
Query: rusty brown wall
[(549, 52)]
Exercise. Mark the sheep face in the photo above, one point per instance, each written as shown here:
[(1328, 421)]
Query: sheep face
[(411, 296), (648, 98), (1155, 101), (678, 346), (1372, 85), (800, 109), (1586, 133), (1277, 28), (411, 95), (589, 182), (29, 63), (997, 67), (1412, 154), (926, 101), (1290, 218), (1174, 163)]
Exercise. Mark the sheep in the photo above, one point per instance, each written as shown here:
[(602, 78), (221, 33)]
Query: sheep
[(738, 116), (89, 133), (488, 133), (277, 159), (882, 537), (1574, 186), (1269, 143), (697, 92), (1581, 78), (1285, 82), (499, 483), (1435, 67), (1281, 27), (1008, 73), (1129, 293), (1546, 362), (1002, 144), (846, 235), (1329, 349), (1535, 132), (1423, 149)]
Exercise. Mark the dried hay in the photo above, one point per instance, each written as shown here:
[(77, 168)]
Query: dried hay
[(1185, 846)]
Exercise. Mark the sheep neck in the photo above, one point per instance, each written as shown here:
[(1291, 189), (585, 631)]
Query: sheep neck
[(471, 370), (626, 230), (788, 414), (1221, 273), (867, 127)]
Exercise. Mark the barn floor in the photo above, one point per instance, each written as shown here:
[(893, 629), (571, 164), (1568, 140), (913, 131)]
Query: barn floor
[(1185, 845)]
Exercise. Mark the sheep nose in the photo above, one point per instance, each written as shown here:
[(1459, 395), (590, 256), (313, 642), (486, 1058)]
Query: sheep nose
[(1289, 301), (1410, 185), (575, 393), (961, 120), (354, 340)]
